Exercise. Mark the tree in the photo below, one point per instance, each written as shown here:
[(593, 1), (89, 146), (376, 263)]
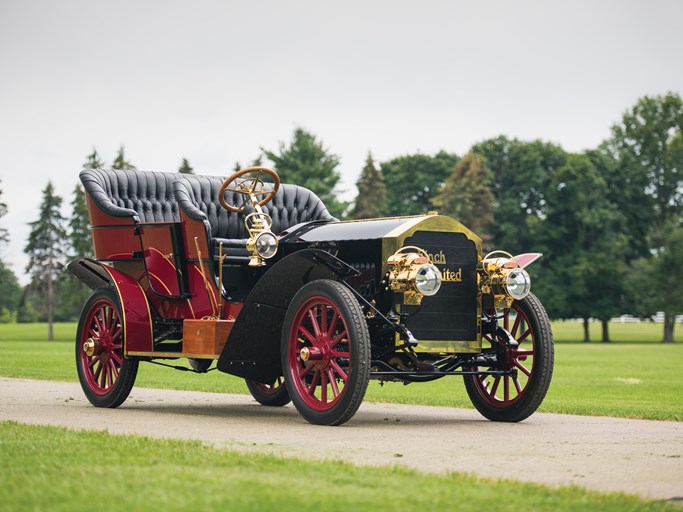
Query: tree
[(26, 313), (466, 195), (659, 279), (9, 286), (73, 293), (93, 161), (413, 180), (520, 173), (371, 200), (647, 142), (185, 167), (120, 161), (9, 294), (307, 163), (648, 147), (46, 249), (584, 245)]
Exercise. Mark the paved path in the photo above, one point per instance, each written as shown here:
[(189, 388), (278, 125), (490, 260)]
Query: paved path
[(606, 454)]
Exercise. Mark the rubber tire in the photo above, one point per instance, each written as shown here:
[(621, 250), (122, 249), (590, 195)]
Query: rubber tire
[(539, 382), (129, 367), (359, 337), (277, 398)]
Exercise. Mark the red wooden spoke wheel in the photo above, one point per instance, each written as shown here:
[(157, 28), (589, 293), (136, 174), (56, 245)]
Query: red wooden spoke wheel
[(274, 394), (106, 376), (326, 353), (515, 397)]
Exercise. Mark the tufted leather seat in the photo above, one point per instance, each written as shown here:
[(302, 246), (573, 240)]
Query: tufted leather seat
[(156, 197), (145, 196), (197, 196)]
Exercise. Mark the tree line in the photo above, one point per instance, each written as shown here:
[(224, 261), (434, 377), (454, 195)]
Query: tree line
[(608, 220)]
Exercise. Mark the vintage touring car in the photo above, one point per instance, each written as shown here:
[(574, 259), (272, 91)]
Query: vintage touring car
[(260, 278)]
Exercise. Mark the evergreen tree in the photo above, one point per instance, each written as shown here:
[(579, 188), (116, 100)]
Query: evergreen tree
[(185, 167), (46, 249), (371, 200), (413, 180), (307, 163), (120, 161), (73, 293), (93, 161), (79, 233), (466, 195)]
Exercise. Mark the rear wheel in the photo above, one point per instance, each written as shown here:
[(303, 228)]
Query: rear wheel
[(326, 353), (515, 397), (274, 394), (106, 376)]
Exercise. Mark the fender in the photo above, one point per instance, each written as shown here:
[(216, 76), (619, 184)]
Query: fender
[(137, 318), (253, 347)]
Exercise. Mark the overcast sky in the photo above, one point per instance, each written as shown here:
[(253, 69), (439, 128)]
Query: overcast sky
[(215, 81)]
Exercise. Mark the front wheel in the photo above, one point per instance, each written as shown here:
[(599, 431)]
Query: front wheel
[(274, 394), (516, 396), (106, 376), (326, 352)]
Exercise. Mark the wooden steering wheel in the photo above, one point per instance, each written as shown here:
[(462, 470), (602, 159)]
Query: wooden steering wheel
[(249, 187)]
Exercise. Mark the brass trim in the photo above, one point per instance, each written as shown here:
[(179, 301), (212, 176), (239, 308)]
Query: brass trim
[(395, 239)]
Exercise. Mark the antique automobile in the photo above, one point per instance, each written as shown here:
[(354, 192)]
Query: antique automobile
[(259, 277)]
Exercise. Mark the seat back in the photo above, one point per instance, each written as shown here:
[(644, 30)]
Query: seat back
[(197, 196), (145, 196)]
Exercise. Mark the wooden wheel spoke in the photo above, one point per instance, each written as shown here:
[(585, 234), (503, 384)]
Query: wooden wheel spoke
[(506, 388), (524, 336), (339, 337), (323, 386), (515, 326), (524, 370), (117, 358), (314, 321), (342, 374), (333, 383), (117, 333), (307, 335), (518, 386), (98, 369), (496, 382), (333, 324), (308, 369), (323, 319), (314, 382)]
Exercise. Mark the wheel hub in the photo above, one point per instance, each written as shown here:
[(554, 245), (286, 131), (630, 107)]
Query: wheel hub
[(91, 347)]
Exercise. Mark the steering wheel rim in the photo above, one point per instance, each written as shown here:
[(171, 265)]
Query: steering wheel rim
[(246, 191)]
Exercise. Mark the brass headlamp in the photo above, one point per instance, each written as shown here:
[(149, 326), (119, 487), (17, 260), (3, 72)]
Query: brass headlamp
[(504, 278), (262, 243), (413, 273)]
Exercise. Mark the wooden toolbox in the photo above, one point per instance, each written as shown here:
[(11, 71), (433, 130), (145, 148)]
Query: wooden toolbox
[(205, 337)]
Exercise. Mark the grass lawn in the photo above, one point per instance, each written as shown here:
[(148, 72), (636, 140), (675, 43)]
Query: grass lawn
[(50, 468), (633, 380), (641, 332)]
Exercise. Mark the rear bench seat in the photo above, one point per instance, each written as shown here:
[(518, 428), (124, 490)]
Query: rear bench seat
[(144, 196)]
